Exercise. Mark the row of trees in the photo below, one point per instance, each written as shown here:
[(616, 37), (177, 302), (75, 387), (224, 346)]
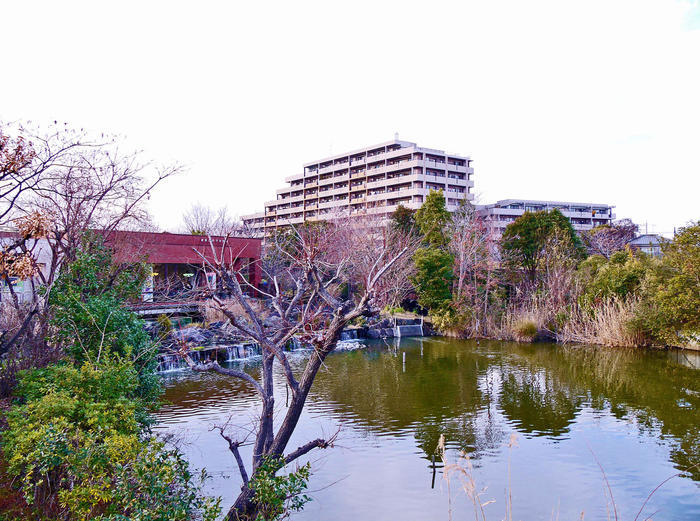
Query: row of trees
[(541, 279)]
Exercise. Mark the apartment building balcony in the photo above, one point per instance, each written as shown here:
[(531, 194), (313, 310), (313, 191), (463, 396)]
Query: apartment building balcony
[(336, 191), (335, 179), (295, 177), (311, 184), (361, 186), (358, 175), (376, 169), (376, 197), (404, 163), (328, 204), (294, 199)]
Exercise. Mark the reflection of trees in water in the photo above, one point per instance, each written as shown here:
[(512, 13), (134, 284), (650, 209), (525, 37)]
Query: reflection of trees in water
[(191, 391), (537, 403), (459, 389), (438, 394), (647, 388), (456, 387)]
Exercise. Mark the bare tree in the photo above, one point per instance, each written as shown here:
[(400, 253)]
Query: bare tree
[(58, 184), (607, 239), (473, 244), (204, 220), (303, 300)]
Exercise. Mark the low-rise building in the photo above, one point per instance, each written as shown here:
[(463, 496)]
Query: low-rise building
[(648, 243), (178, 262), (583, 216), (372, 180)]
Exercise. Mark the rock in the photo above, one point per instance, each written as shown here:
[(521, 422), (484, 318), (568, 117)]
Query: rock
[(194, 335)]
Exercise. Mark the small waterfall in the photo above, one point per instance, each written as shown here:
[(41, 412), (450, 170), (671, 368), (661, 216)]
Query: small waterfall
[(293, 344), (348, 334), (242, 351), (222, 353), (170, 362), (408, 330)]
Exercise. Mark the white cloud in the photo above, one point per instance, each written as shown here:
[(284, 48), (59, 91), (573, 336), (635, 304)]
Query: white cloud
[(592, 100)]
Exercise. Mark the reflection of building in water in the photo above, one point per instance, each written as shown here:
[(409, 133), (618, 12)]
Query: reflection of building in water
[(687, 357)]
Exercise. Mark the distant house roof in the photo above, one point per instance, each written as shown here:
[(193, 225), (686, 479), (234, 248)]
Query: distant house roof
[(648, 239)]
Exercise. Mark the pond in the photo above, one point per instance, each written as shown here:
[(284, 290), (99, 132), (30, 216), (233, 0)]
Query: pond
[(547, 425)]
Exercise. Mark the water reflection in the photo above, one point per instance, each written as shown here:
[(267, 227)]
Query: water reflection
[(638, 411)]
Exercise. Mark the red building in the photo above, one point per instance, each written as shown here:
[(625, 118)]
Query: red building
[(177, 263)]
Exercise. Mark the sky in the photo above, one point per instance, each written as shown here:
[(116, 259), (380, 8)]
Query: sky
[(585, 101)]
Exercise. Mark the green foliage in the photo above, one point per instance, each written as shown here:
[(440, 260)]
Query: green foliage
[(525, 240), (620, 277), (360, 321), (672, 311), (450, 319), (165, 325), (432, 219), (433, 277), (89, 314), (393, 310), (277, 496), (77, 443), (404, 219)]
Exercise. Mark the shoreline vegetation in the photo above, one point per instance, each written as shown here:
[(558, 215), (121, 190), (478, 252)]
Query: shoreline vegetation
[(541, 281)]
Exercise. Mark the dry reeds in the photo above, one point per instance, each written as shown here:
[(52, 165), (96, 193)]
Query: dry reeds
[(527, 322), (610, 324)]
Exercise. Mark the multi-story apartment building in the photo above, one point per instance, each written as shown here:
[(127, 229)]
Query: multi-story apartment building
[(583, 216), (370, 181)]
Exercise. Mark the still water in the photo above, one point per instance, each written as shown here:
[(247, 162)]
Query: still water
[(570, 410)]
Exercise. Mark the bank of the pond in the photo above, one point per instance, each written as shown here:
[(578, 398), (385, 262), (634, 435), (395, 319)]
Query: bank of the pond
[(636, 411)]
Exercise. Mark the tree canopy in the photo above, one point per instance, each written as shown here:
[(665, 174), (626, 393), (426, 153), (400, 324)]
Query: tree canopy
[(524, 241)]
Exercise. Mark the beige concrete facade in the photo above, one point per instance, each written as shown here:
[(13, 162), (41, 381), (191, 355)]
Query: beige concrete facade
[(583, 216), (369, 181)]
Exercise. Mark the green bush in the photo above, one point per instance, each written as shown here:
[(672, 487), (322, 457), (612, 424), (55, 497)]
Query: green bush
[(90, 318), (277, 496), (393, 310), (620, 277), (77, 441), (165, 325), (450, 320), (670, 310), (77, 444), (433, 277)]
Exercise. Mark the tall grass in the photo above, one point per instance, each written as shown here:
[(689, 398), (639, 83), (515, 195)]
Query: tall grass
[(610, 323), (528, 321)]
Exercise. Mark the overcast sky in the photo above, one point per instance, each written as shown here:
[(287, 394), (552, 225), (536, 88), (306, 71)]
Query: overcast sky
[(592, 101)]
